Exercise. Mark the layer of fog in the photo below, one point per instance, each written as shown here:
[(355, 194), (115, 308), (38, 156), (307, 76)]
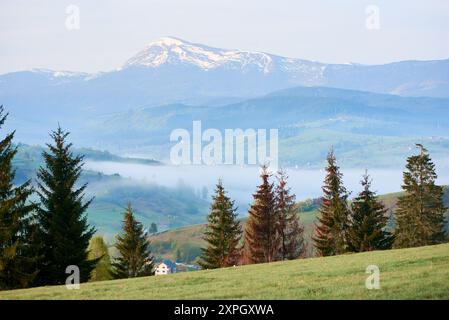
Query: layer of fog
[(241, 182)]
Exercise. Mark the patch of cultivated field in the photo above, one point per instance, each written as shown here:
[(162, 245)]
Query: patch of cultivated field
[(417, 273)]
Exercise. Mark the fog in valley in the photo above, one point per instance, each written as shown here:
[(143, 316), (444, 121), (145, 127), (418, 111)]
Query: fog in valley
[(241, 182)]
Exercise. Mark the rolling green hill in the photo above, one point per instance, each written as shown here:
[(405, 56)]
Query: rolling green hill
[(168, 207), (29, 158), (417, 273)]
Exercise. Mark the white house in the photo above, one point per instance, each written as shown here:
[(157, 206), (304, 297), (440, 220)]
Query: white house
[(165, 267)]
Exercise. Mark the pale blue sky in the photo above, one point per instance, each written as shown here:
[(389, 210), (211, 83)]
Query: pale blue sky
[(33, 33)]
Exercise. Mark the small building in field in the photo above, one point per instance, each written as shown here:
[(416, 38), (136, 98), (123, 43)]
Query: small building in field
[(165, 267)]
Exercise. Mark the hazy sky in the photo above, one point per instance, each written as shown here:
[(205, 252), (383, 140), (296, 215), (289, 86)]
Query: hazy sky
[(33, 34)]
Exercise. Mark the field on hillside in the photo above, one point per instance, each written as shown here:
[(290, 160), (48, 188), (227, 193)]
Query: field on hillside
[(417, 273)]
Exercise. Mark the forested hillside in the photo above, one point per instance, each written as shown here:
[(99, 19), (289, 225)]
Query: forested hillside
[(184, 243)]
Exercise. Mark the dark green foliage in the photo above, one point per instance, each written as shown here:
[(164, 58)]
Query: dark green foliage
[(63, 229), (153, 228), (223, 233), (178, 256), (290, 231), (368, 221), (135, 258), (188, 253), (17, 253), (99, 250), (330, 233), (420, 211), (261, 234)]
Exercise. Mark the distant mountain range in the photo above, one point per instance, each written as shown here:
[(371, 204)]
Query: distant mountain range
[(172, 70), (172, 82), (383, 128)]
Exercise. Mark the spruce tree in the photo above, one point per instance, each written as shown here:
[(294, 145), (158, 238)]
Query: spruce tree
[(17, 254), (223, 233), (368, 221), (63, 228), (420, 211), (99, 250), (330, 233), (289, 229), (134, 258), (261, 232)]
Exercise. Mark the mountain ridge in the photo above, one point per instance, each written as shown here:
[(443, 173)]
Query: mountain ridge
[(175, 44), (209, 71)]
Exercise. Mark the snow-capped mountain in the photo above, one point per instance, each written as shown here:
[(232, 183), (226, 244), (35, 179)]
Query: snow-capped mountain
[(170, 50), (174, 51), (426, 78), (171, 70)]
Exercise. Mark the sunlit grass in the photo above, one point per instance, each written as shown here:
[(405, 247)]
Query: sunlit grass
[(418, 273)]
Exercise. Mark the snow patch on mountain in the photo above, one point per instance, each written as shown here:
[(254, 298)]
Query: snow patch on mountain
[(175, 51), (59, 74)]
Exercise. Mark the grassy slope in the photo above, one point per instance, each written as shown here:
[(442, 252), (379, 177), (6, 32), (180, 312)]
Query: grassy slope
[(417, 273)]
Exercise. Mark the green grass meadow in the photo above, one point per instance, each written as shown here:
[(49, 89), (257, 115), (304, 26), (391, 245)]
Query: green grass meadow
[(416, 273)]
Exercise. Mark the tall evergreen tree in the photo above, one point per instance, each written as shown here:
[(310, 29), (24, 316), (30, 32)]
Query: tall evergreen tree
[(261, 233), (330, 233), (368, 221), (223, 233), (63, 228), (135, 258), (17, 255), (420, 211), (99, 250), (291, 233)]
